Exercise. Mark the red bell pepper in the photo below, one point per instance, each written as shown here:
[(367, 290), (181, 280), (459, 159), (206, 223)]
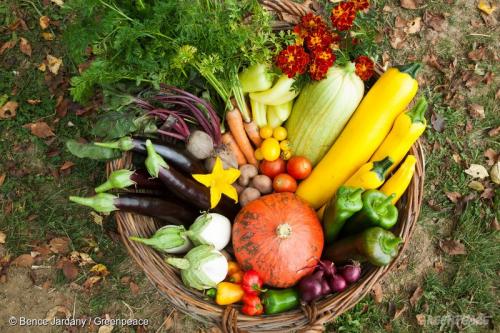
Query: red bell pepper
[(252, 305), (252, 283)]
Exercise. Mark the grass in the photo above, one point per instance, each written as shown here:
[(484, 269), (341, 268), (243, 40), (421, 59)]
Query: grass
[(41, 210)]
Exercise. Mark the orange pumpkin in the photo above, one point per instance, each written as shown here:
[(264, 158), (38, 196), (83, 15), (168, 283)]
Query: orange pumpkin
[(280, 237)]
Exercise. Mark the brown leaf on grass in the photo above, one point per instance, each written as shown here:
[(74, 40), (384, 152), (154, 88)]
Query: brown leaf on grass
[(8, 207), (495, 173), (69, 270), (25, 46), (400, 311), (3, 237), (494, 132), (67, 165), (488, 78), (377, 293), (91, 281), (494, 225), (400, 22), (477, 171), (2, 178), (420, 319), (44, 22), (48, 36), (40, 129), (436, 21), (60, 3), (415, 297), (439, 266), (408, 4), (476, 111), (7, 46), (24, 260), (475, 185), (486, 7), (62, 106), (100, 270), (33, 101), (54, 64), (453, 196), (437, 122), (452, 247), (96, 218), (397, 39), (432, 60), (477, 54), (134, 288), (488, 193), (8, 110), (81, 258), (490, 154), (52, 313), (59, 245), (414, 26)]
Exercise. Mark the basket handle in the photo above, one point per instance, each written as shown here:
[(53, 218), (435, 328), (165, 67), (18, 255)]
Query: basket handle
[(287, 7)]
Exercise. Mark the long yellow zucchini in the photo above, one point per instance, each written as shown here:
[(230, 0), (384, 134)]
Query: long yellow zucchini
[(363, 134)]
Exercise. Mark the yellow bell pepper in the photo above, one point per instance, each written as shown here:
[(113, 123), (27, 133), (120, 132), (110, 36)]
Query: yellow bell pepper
[(228, 293), (406, 130), (371, 175), (363, 134), (398, 183)]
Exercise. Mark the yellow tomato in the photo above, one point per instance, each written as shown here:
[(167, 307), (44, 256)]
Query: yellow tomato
[(270, 149), (280, 133), (285, 145), (258, 154), (266, 132)]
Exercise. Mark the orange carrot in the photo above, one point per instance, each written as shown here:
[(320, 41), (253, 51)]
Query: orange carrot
[(229, 141), (235, 123), (253, 133)]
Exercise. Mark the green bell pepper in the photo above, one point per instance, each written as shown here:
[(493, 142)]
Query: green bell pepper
[(280, 300), (378, 211), (376, 245), (341, 207)]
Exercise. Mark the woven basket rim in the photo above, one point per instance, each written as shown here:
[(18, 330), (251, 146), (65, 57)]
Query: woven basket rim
[(308, 318)]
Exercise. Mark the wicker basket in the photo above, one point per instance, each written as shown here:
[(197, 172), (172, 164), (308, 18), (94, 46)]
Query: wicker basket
[(309, 318)]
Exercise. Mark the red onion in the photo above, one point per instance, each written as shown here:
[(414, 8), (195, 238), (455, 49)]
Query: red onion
[(310, 287), (327, 266), (337, 283), (325, 287), (351, 273)]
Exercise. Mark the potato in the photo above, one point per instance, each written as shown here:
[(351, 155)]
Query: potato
[(262, 183), (249, 194), (227, 157), (200, 145), (248, 171)]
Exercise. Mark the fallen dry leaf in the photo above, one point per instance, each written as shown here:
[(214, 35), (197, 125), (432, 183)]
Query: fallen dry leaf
[(377, 293), (415, 297), (59, 245), (54, 64), (437, 122), (25, 46), (33, 101), (91, 281), (439, 266), (488, 193), (494, 132), (66, 165), (106, 328), (60, 3), (475, 185), (494, 225), (397, 39), (48, 36), (24, 260), (100, 270), (452, 247), (491, 156), (3, 237), (2, 178), (477, 54), (408, 4), (7, 45), (51, 314), (477, 171), (44, 22), (400, 311), (40, 129), (453, 196), (42, 67), (69, 270), (98, 219), (420, 319), (134, 288), (414, 26), (8, 110), (486, 7), (81, 258), (476, 111), (495, 173), (436, 21)]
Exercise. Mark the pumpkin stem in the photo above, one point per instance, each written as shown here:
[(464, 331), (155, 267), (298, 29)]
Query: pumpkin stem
[(284, 230)]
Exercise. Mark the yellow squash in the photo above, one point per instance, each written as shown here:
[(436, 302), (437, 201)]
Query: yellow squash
[(363, 134), (371, 175), (406, 130), (399, 181)]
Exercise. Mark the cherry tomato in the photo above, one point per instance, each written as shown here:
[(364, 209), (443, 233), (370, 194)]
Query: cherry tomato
[(299, 167), (285, 145), (284, 183), (280, 133), (258, 154), (266, 132), (270, 149), (272, 168)]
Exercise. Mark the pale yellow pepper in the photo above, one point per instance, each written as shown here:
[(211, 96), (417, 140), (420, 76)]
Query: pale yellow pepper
[(399, 181), (228, 293)]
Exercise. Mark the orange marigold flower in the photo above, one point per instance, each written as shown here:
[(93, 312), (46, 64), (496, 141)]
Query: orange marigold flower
[(361, 4), (364, 67), (319, 39), (292, 60), (318, 70), (312, 22), (343, 16)]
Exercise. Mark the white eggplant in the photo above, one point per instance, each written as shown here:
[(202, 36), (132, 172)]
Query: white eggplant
[(168, 239)]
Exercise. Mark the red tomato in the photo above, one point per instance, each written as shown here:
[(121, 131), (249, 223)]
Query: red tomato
[(299, 167), (284, 183), (274, 168)]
